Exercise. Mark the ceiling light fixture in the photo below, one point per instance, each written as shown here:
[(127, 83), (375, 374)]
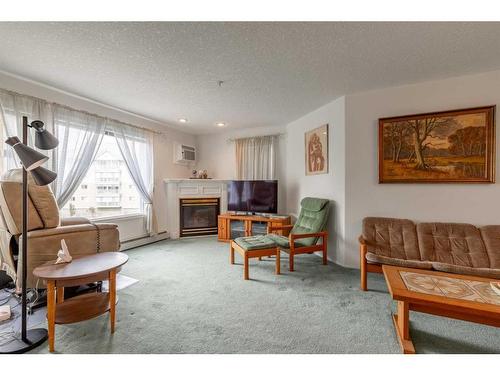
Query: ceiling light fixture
[(183, 120), (221, 124)]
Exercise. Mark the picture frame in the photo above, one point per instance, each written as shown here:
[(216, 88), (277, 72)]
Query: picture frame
[(316, 150), (456, 146)]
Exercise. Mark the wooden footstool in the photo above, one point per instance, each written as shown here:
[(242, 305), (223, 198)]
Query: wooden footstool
[(254, 247)]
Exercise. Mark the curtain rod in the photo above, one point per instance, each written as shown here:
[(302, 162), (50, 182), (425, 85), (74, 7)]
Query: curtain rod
[(257, 136), (82, 111)]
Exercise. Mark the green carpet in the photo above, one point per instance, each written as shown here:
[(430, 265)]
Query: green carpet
[(191, 300)]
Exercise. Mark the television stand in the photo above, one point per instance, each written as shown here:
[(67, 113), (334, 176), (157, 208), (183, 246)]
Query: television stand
[(224, 223)]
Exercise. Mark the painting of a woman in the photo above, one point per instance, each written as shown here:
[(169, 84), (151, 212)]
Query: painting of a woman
[(316, 147)]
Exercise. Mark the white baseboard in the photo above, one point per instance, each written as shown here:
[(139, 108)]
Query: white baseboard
[(127, 245)]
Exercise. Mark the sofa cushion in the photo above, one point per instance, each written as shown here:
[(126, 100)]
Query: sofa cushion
[(454, 244), (380, 259), (482, 272), (45, 203), (12, 208), (491, 239), (255, 242), (391, 238), (81, 239)]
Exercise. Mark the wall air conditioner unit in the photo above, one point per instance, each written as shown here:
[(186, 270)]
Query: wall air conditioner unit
[(184, 154)]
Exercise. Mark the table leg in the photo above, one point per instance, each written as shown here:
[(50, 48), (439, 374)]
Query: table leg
[(278, 261), (231, 254), (245, 265), (60, 294), (402, 325), (51, 312), (112, 299)]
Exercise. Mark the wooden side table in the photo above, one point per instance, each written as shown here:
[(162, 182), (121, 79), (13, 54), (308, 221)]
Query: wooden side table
[(82, 270)]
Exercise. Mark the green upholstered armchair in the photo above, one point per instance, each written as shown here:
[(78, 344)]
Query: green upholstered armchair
[(304, 235)]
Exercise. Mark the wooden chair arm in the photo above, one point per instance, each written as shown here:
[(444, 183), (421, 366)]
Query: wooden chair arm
[(279, 227)]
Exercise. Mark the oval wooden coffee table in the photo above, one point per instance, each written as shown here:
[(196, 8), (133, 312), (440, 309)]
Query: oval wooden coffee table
[(82, 270)]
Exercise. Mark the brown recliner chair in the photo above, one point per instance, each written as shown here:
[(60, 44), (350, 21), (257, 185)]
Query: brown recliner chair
[(45, 229)]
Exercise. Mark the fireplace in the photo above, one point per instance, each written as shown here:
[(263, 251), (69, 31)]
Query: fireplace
[(198, 216)]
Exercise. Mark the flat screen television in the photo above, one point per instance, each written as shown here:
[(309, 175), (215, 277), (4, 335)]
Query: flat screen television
[(253, 196)]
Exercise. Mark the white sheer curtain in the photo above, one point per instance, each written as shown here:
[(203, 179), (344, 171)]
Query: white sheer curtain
[(80, 135), (13, 107), (256, 158), (136, 147)]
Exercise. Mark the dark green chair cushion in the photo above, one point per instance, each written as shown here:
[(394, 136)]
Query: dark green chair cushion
[(282, 241), (255, 242), (312, 219)]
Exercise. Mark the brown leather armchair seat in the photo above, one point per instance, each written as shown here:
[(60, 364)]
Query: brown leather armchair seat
[(45, 229)]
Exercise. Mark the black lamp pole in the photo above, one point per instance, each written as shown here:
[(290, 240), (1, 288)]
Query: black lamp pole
[(24, 302), (31, 161)]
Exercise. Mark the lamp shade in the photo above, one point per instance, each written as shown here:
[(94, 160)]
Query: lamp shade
[(43, 176), (30, 158), (44, 140)]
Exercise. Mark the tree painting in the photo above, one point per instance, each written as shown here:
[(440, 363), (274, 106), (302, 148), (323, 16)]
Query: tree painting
[(454, 146)]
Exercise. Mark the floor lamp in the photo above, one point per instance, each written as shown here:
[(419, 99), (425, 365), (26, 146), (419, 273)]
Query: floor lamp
[(31, 161)]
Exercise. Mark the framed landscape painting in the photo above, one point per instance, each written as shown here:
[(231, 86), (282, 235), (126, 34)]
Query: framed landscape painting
[(452, 146), (316, 151)]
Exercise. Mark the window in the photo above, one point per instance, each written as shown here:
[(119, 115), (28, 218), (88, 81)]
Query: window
[(101, 192)]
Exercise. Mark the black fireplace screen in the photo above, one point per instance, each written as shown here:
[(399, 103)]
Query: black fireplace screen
[(198, 216)]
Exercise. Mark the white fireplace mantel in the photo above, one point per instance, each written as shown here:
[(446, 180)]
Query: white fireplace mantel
[(191, 188)]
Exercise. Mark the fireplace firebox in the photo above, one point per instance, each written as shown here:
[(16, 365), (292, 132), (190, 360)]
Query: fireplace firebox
[(198, 216)]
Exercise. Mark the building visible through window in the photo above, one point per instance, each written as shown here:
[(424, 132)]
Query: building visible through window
[(107, 189)]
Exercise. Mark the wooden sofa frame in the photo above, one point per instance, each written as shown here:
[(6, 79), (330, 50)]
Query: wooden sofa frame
[(364, 266)]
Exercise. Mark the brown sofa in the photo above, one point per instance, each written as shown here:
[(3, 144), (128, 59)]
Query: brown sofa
[(447, 247), (45, 229)]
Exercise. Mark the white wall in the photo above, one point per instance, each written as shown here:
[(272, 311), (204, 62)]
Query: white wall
[(217, 154), (331, 185), (469, 203), (166, 168), (163, 143)]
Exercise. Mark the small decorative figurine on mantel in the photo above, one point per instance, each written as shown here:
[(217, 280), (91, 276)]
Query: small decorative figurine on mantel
[(200, 174)]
